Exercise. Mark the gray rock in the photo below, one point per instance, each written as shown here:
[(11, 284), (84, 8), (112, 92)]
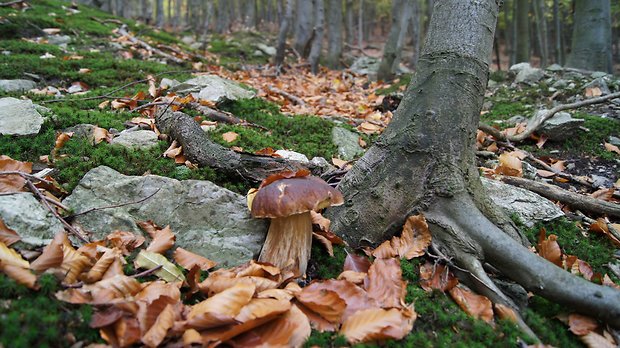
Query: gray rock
[(213, 88), (561, 126), (16, 85), (516, 68), (82, 130), (168, 83), (59, 40), (197, 45), (529, 171), (599, 83), (365, 66), (206, 219), (561, 83), (347, 142), (555, 67), (188, 40), (258, 53), (598, 74), (321, 163), (528, 206), (492, 84), (293, 156), (19, 117), (599, 181), (516, 119), (139, 139), (614, 140), (29, 218), (529, 75), (268, 50)]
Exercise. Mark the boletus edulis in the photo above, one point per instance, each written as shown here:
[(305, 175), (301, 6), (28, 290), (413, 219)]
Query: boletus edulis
[(287, 199)]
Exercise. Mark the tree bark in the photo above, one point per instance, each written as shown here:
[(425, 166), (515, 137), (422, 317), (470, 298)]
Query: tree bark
[(334, 29), (303, 26), (522, 49), (424, 162), (401, 13), (540, 9), (591, 45), (159, 19), (416, 32), (317, 38), (284, 29)]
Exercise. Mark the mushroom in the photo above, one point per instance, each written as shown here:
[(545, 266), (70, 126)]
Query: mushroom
[(287, 199)]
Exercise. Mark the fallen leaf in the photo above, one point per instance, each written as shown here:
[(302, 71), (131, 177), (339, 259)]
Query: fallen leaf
[(356, 263), (436, 276), (415, 237), (7, 235), (9, 256), (168, 272), (506, 313), (51, 257), (325, 242), (377, 324), (612, 148), (229, 137), (580, 324), (594, 340), (156, 333), (550, 250), (509, 164), (290, 330), (324, 302), (188, 260), (13, 182), (222, 308), (478, 306), (385, 283)]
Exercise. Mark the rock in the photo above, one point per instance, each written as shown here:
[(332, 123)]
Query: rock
[(16, 85), (347, 142), (529, 171), (561, 126), (168, 83), (213, 88), (188, 40), (599, 83), (528, 206), (321, 163), (529, 75), (206, 219), (19, 117), (258, 53), (268, 50), (492, 84), (555, 67), (614, 140), (139, 139), (516, 68), (599, 181), (197, 45), (598, 74), (82, 130), (561, 83), (23, 213), (59, 40), (293, 156), (515, 120), (365, 66)]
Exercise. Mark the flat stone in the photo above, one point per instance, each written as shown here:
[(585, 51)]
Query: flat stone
[(528, 206), (561, 126), (292, 155), (554, 67), (23, 213), (59, 40), (516, 68), (347, 142), (16, 85), (213, 88), (529, 75), (140, 139), (206, 219), (268, 50), (599, 83), (19, 117), (365, 66), (168, 83), (614, 140)]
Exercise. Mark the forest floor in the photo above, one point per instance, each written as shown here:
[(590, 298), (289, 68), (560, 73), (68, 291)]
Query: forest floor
[(100, 77)]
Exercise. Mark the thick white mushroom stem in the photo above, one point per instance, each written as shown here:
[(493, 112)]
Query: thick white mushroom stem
[(288, 243)]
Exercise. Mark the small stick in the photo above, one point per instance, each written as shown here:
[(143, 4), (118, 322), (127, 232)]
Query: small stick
[(123, 32), (11, 3), (113, 206), (296, 100)]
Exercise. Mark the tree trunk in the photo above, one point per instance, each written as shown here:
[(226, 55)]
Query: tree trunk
[(541, 31), (178, 18), (401, 13), (360, 26), (522, 49), (558, 33), (250, 14), (591, 45), (424, 162), (222, 21), (319, 33), (349, 13), (159, 21), (284, 26), (416, 32), (303, 27), (334, 29)]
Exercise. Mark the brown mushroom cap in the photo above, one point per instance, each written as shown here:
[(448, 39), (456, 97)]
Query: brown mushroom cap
[(291, 196)]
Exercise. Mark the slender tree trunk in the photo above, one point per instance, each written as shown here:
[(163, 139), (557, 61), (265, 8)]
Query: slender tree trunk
[(508, 29), (558, 33), (424, 162), (222, 20), (334, 30), (401, 13), (207, 19), (319, 34), (416, 32), (541, 31), (591, 44), (523, 31), (303, 26), (284, 29), (250, 14), (350, 37), (360, 26), (159, 21)]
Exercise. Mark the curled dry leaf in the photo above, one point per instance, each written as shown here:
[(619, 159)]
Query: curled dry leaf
[(188, 260), (229, 137), (386, 249), (385, 283), (13, 182), (356, 263), (157, 332), (101, 134), (50, 258), (376, 324), (594, 340), (123, 333), (509, 164), (600, 226), (106, 291), (221, 308), (415, 237), (20, 274), (478, 306), (580, 324), (168, 271), (162, 241), (100, 267), (126, 241), (506, 313), (354, 296), (550, 250), (353, 277), (436, 276), (612, 148), (325, 242), (262, 307), (73, 263), (7, 235), (326, 303)]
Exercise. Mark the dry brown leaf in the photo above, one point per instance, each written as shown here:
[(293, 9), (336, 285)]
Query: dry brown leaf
[(126, 241), (190, 337), (436, 276), (506, 313), (594, 340), (20, 274), (262, 307), (580, 324), (385, 283), (157, 332), (13, 182), (289, 330), (612, 148), (510, 164), (550, 250), (386, 250), (415, 237), (188, 260), (593, 92), (326, 303), (354, 296), (9, 256), (105, 292), (478, 306), (100, 267), (7, 235), (318, 219), (221, 308), (162, 241), (600, 226), (229, 137), (101, 134), (353, 277), (125, 332), (325, 242), (356, 263), (377, 324), (605, 194), (73, 263), (51, 257)]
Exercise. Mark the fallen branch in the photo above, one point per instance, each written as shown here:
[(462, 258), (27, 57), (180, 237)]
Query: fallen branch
[(573, 199), (534, 123), (109, 20), (123, 32), (11, 3), (113, 206), (296, 100)]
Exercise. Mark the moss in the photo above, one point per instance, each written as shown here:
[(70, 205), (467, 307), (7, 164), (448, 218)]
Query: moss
[(540, 317), (597, 250), (237, 49), (591, 143), (323, 266), (305, 134), (35, 318)]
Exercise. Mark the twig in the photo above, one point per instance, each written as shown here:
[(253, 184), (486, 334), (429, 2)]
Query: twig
[(147, 272), (296, 100), (123, 32), (113, 206), (11, 3), (109, 20), (25, 175), (110, 94)]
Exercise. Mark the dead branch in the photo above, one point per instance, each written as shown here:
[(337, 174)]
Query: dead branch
[(193, 55), (198, 148), (558, 194), (109, 20), (534, 123), (113, 206), (11, 3), (296, 100), (123, 32)]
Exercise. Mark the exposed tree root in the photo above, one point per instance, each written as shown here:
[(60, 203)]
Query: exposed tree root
[(573, 199), (198, 148)]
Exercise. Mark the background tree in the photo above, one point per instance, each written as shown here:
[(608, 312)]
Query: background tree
[(334, 32), (591, 45), (522, 37), (317, 37), (284, 28), (401, 14), (304, 18), (424, 162)]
